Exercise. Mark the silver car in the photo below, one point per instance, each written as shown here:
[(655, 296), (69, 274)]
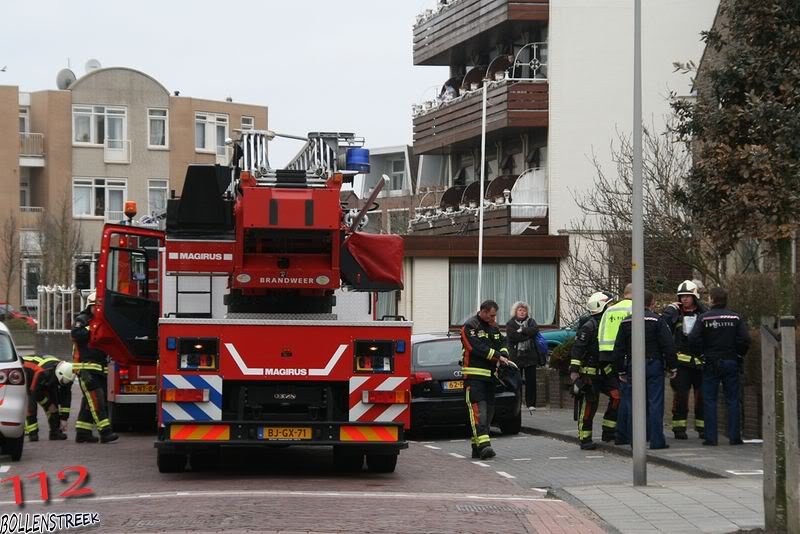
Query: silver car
[(13, 397)]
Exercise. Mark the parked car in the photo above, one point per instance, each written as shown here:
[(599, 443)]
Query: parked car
[(559, 336), (437, 387), (13, 397), (9, 312)]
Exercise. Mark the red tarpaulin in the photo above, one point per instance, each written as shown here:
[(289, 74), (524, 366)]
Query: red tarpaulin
[(381, 256)]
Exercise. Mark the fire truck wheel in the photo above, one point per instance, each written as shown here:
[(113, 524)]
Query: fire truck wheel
[(347, 461), (170, 462), (13, 447), (204, 460), (381, 463)]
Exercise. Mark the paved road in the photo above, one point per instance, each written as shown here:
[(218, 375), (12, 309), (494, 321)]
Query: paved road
[(291, 489)]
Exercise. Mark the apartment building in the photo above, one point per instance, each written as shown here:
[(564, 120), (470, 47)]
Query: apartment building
[(113, 135)]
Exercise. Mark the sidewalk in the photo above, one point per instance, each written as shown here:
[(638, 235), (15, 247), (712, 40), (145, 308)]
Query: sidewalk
[(727, 497)]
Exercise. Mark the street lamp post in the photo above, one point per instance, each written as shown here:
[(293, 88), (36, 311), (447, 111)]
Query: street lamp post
[(637, 265), (480, 199)]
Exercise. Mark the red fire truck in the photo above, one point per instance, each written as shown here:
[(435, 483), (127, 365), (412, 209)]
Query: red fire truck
[(234, 302)]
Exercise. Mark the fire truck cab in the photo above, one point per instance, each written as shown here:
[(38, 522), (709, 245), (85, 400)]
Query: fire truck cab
[(234, 302)]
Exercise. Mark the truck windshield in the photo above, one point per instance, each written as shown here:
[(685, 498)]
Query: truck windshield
[(7, 353)]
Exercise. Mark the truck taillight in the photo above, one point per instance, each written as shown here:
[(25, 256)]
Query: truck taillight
[(420, 377), (124, 375), (13, 377), (184, 395), (385, 397)]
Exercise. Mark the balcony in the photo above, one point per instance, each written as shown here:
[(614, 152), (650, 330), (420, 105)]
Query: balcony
[(445, 36), (30, 216), (509, 105), (31, 150)]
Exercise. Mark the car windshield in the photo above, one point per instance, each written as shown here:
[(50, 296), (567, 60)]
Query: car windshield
[(7, 353), (440, 352)]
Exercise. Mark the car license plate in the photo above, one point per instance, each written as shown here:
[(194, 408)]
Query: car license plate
[(284, 432), (454, 384), (139, 388)]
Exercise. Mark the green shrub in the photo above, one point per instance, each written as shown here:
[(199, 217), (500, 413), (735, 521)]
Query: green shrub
[(559, 358), (18, 324)]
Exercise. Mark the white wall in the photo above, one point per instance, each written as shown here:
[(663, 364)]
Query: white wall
[(425, 298), (591, 81)]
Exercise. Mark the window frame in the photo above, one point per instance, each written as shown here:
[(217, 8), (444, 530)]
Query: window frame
[(91, 110), (394, 174), (152, 187), (252, 125), (109, 184), (210, 123), (165, 118), (25, 117)]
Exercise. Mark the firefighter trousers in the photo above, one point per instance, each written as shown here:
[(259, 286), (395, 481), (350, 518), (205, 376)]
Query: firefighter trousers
[(590, 400), (480, 404), (687, 379), (93, 412), (31, 419)]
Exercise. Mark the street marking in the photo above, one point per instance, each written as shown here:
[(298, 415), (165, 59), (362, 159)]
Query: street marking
[(324, 494), (456, 455), (521, 459), (457, 440), (744, 472), (481, 464), (558, 457), (434, 447), (504, 474), (4, 468), (600, 456), (521, 437), (678, 454), (540, 490), (753, 440)]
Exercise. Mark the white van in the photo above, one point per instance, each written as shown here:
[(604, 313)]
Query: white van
[(13, 397)]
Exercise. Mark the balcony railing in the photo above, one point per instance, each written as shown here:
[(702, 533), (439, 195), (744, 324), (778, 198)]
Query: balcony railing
[(439, 32), (31, 145), (117, 151), (30, 216)]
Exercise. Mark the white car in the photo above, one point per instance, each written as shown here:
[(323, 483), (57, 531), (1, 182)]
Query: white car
[(13, 397)]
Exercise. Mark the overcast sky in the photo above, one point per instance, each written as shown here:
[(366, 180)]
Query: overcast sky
[(317, 64)]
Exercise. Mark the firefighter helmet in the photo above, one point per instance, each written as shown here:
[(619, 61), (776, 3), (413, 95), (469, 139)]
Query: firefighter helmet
[(688, 287), (597, 302), (64, 373), (90, 300)]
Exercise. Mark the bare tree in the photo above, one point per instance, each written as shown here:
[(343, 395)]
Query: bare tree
[(60, 239), (11, 255), (675, 246)]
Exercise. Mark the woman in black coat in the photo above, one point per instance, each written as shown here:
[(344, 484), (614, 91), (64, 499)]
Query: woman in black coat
[(521, 332)]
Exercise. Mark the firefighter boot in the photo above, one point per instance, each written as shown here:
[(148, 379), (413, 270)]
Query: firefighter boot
[(33, 436), (680, 433), (57, 435), (475, 453), (588, 445), (85, 437), (487, 452), (108, 437), (608, 436)]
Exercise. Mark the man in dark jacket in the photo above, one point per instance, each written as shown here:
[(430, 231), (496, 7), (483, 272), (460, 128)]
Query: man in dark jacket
[(91, 366), (660, 356), (592, 376), (484, 350), (49, 383), (681, 317), (721, 336)]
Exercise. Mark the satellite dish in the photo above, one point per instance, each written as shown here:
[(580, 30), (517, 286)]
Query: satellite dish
[(92, 64), (65, 78)]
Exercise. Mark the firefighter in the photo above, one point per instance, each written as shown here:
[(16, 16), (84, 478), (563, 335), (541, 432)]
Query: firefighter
[(681, 317), (660, 357), (594, 378), (484, 350), (90, 363), (49, 383), (721, 336)]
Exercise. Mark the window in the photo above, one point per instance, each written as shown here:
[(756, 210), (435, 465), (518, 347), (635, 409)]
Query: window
[(505, 283), (398, 174), (99, 197), (248, 123), (32, 275), (374, 223), (210, 132), (157, 128), (386, 304), (24, 120), (99, 125), (157, 196)]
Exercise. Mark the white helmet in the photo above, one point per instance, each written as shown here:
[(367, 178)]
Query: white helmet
[(687, 287), (597, 303), (90, 300), (64, 373)]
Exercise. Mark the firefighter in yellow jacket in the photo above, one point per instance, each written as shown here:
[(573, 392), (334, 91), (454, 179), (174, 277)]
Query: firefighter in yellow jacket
[(484, 349)]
